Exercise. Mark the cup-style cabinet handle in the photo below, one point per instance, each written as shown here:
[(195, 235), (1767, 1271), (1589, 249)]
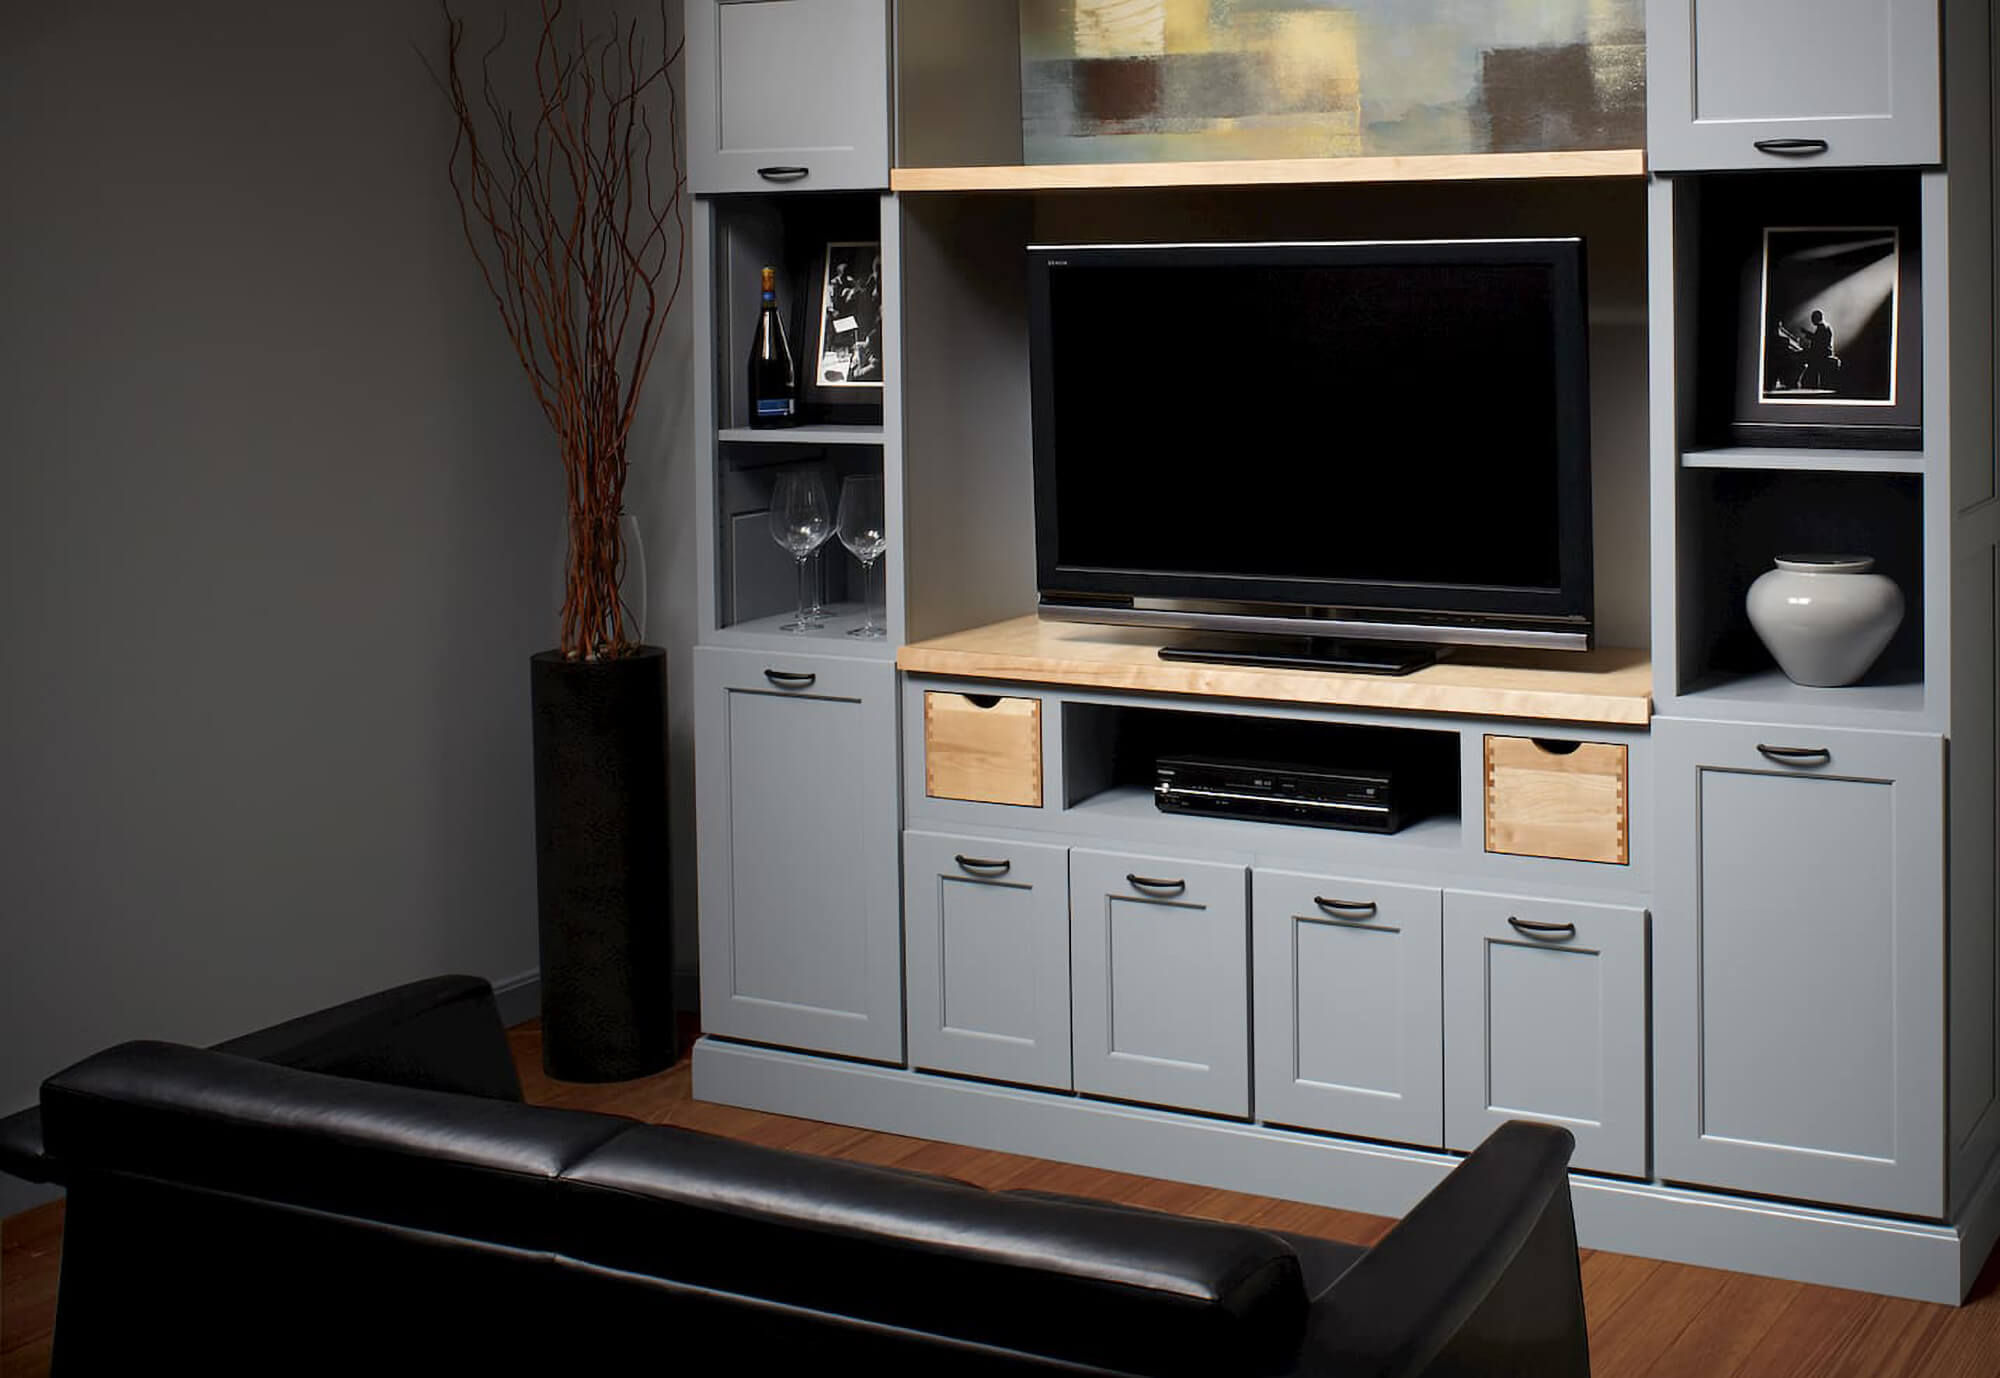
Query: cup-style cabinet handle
[(1147, 885), (1346, 909), (1542, 932), (980, 866), (1792, 148), (791, 679), (783, 174), (1796, 755)]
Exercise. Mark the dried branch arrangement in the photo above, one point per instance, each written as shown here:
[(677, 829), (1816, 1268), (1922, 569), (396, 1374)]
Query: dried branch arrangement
[(582, 249)]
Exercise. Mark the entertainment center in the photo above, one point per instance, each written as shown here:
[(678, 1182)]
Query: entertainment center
[(1736, 934)]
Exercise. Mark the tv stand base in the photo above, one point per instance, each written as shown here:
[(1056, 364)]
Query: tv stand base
[(1935, 1262), (1354, 657)]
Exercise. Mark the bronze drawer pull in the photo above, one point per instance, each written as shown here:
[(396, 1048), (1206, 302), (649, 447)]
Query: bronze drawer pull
[(1792, 148), (1543, 932), (1796, 755), (1171, 887), (1346, 909), (791, 679), (782, 174), (980, 867)]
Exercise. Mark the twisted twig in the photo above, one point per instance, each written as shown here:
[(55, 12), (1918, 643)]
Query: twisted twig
[(581, 251)]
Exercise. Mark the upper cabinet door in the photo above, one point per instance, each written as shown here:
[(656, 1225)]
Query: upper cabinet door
[(1781, 83), (788, 94), (1799, 963)]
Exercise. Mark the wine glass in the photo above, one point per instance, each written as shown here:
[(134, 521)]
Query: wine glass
[(865, 533), (800, 524)]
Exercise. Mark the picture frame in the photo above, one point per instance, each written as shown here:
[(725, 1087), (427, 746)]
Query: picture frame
[(1829, 336), (841, 344)]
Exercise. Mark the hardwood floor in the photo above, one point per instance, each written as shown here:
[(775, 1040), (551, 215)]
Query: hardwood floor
[(1647, 1319)]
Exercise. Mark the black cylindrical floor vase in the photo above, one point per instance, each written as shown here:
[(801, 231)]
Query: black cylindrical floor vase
[(601, 865)]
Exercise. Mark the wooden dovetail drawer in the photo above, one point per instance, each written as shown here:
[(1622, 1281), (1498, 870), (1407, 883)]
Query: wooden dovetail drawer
[(1545, 799), (984, 748)]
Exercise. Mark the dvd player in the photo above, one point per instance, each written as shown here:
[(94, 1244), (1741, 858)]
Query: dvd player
[(1263, 791)]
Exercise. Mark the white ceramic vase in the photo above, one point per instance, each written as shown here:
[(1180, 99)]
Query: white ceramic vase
[(1825, 618)]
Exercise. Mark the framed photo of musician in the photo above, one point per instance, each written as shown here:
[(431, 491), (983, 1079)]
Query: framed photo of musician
[(842, 348), (1828, 338)]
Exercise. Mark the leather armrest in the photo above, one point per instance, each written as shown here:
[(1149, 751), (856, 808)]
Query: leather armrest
[(1482, 1273), (21, 1151), (440, 1034)]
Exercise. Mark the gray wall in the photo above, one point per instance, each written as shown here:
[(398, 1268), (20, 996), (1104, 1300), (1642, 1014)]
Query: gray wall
[(279, 532)]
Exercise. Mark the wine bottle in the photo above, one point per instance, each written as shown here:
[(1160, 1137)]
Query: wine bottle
[(774, 383)]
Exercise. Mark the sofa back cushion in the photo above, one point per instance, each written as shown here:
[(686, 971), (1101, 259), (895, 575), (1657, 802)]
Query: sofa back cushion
[(1135, 1291), (426, 1160)]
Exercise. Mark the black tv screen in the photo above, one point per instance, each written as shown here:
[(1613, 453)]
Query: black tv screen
[(1392, 427)]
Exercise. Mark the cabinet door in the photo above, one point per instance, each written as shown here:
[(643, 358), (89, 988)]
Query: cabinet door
[(788, 94), (1800, 961), (1777, 83), (986, 928), (1349, 1025), (1159, 969), (1545, 1019), (801, 933)]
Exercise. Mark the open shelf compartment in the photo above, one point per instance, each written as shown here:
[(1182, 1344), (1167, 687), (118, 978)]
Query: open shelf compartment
[(1110, 753), (756, 580), (1735, 523)]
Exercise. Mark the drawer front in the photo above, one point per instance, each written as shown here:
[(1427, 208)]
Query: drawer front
[(796, 839), (1349, 1021), (1159, 972), (1800, 960), (1558, 799), (987, 938), (1545, 1019), (983, 748)]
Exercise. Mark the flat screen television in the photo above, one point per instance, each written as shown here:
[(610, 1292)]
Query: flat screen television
[(1330, 444)]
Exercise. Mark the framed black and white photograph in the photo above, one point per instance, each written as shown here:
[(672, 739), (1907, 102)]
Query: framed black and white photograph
[(846, 343), (1829, 309), (1828, 337)]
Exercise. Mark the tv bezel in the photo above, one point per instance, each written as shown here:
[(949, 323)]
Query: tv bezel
[(1498, 613)]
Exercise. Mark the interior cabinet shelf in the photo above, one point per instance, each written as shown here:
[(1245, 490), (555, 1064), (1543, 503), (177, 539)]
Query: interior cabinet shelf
[(1127, 804), (802, 435), (830, 639), (1599, 163), (1767, 695), (1822, 461)]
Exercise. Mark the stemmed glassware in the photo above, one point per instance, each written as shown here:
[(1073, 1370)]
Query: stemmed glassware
[(865, 533), (800, 523)]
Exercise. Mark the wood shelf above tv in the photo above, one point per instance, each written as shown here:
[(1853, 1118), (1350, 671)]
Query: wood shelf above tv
[(1608, 686), (1464, 167)]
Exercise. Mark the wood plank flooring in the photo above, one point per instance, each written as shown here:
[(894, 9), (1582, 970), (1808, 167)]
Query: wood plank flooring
[(1647, 1319)]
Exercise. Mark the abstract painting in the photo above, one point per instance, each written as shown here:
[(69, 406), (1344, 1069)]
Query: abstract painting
[(1107, 81)]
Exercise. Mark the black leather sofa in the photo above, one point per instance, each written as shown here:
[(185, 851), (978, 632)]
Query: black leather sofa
[(364, 1188)]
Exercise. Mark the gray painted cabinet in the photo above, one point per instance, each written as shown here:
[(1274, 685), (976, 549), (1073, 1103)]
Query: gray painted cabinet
[(787, 94), (1159, 978), (1545, 1019), (1349, 1023), (1773, 83), (987, 941), (801, 933), (1800, 963)]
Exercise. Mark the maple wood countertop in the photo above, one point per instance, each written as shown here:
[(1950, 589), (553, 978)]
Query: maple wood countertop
[(1608, 686)]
